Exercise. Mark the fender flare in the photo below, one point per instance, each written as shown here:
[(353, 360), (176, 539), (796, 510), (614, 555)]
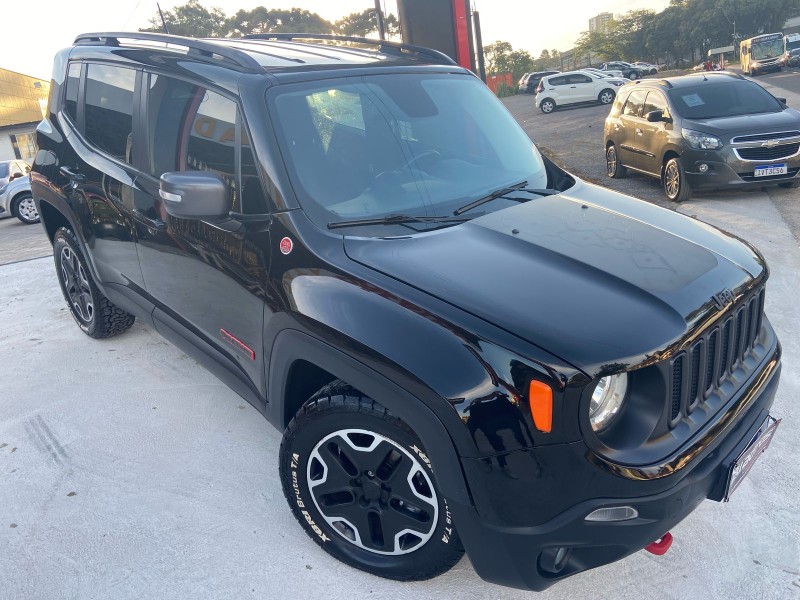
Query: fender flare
[(291, 345)]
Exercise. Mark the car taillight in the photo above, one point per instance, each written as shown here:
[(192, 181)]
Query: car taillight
[(539, 87)]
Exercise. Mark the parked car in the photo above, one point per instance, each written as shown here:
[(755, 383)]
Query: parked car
[(575, 87), (529, 81), (646, 68), (793, 58), (617, 74), (461, 342), (16, 200), (707, 131), (627, 69), (12, 169)]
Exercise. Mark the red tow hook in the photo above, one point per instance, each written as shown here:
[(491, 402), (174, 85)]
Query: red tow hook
[(661, 545)]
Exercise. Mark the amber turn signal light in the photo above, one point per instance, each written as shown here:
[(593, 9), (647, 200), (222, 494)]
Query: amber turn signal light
[(540, 398)]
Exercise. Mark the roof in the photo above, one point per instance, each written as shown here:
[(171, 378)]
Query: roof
[(270, 52), (22, 98), (690, 79)]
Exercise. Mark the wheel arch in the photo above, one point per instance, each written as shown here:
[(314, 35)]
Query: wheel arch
[(299, 361)]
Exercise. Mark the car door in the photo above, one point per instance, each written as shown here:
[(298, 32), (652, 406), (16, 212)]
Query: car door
[(98, 179), (653, 135), (630, 131), (208, 279), (581, 87), (558, 89)]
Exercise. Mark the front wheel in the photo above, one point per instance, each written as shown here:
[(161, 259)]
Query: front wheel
[(25, 209), (359, 482), (606, 97), (676, 187), (547, 106), (633, 76), (95, 314)]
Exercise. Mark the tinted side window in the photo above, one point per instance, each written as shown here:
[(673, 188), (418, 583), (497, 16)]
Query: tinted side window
[(109, 109), (633, 106), (655, 101), (557, 81), (71, 95), (578, 78)]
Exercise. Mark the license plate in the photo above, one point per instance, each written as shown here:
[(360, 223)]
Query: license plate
[(768, 170), (742, 465)]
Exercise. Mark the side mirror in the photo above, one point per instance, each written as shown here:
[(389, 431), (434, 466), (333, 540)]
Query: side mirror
[(781, 100), (657, 116), (195, 195), (15, 176)]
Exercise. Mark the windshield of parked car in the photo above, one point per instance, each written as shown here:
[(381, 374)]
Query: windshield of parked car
[(731, 98), (769, 49), (408, 144)]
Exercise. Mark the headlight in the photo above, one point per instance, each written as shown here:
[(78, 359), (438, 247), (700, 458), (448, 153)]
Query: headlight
[(3, 189), (607, 399), (701, 141), (617, 83)]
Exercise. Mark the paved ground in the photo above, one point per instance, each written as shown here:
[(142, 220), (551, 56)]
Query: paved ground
[(22, 242), (127, 471)]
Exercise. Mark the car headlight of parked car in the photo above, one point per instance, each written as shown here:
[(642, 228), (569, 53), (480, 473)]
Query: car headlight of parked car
[(617, 83), (607, 399), (701, 141), (3, 189)]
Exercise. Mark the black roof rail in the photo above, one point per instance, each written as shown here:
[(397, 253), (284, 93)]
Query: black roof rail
[(198, 48), (387, 47), (662, 81)]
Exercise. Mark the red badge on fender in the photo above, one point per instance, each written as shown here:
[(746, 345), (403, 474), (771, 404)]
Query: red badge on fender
[(286, 245)]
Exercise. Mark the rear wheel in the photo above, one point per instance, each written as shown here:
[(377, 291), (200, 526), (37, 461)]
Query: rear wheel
[(614, 168), (606, 97), (633, 75), (359, 483), (547, 106), (676, 187), (95, 314), (24, 208)]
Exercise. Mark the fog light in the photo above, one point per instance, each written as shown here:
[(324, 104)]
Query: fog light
[(703, 168), (613, 513)]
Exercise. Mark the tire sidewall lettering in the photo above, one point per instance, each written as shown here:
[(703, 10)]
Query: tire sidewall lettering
[(301, 505)]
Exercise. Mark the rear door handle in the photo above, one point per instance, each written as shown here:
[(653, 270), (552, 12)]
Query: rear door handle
[(73, 176)]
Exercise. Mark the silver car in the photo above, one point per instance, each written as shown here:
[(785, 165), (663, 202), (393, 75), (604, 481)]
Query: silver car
[(16, 200)]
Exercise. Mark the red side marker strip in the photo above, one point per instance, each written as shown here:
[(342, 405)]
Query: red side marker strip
[(238, 344), (661, 545)]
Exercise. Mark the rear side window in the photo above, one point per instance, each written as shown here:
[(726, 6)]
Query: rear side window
[(579, 78), (71, 95), (633, 106), (655, 101), (109, 109), (557, 81)]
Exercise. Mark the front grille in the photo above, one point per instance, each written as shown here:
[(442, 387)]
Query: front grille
[(763, 137), (764, 153), (700, 370)]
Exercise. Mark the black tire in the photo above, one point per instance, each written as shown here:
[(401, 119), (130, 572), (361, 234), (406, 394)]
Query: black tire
[(606, 96), (547, 106), (614, 168), (363, 503), (24, 209), (789, 184), (95, 314), (676, 187), (633, 76)]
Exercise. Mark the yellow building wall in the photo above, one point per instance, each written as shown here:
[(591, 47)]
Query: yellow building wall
[(22, 98)]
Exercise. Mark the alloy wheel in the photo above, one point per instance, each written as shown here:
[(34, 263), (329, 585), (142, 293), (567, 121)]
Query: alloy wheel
[(611, 161), (672, 180), (372, 492), (26, 209), (76, 284)]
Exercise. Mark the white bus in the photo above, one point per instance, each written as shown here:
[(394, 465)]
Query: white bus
[(762, 53)]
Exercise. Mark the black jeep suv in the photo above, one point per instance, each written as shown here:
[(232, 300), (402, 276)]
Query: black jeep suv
[(462, 343)]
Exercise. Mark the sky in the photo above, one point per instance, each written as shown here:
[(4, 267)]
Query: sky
[(29, 46)]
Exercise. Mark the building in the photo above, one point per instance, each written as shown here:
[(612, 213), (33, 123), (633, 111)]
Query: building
[(23, 100), (599, 23)]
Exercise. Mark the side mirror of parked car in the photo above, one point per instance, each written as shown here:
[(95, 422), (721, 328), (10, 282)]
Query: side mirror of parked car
[(656, 116), (781, 100), (14, 176), (195, 195)]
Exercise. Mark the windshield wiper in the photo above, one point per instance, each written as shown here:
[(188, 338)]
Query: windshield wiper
[(502, 193), (396, 220)]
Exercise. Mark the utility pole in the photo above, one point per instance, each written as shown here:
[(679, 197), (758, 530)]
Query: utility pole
[(381, 22), (479, 45)]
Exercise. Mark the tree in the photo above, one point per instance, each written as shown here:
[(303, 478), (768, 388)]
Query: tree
[(263, 20), (191, 19)]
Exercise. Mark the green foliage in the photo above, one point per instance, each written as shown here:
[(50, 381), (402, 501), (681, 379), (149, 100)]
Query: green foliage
[(504, 90), (364, 24), (191, 19), (501, 57), (685, 28)]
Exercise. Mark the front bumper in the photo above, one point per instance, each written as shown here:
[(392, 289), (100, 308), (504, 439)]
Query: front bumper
[(515, 555), (726, 169)]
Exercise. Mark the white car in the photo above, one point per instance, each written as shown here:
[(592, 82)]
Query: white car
[(617, 74), (575, 87), (647, 68), (16, 200)]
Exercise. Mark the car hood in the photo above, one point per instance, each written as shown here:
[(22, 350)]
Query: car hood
[(574, 275), (785, 120)]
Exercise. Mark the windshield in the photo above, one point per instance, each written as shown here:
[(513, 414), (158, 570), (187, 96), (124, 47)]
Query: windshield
[(713, 100), (769, 49), (411, 144), (4, 170)]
